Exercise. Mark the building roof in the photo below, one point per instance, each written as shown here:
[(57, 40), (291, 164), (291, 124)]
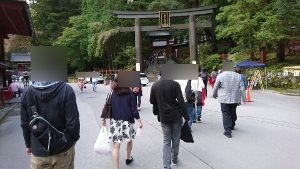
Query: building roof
[(20, 57), (159, 33), (15, 18), (2, 65)]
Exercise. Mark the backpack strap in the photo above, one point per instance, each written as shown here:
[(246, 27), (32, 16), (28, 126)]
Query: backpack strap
[(31, 100)]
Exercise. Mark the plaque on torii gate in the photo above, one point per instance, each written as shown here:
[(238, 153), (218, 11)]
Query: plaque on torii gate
[(164, 19), (165, 24)]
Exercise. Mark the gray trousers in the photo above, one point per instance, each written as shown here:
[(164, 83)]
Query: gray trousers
[(171, 132)]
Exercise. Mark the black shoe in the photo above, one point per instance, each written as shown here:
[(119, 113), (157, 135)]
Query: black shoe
[(194, 121), (227, 135), (198, 119), (129, 161)]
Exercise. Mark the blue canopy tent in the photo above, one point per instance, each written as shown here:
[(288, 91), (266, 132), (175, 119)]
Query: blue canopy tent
[(249, 64)]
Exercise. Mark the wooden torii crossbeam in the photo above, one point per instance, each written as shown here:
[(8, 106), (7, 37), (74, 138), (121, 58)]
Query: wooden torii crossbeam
[(192, 25)]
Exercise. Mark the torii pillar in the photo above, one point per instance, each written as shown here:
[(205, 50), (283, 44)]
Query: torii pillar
[(138, 43), (192, 39)]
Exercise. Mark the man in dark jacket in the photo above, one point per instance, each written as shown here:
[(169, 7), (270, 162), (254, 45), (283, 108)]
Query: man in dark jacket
[(56, 102), (167, 95)]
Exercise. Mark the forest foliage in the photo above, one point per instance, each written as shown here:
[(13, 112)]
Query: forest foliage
[(91, 31)]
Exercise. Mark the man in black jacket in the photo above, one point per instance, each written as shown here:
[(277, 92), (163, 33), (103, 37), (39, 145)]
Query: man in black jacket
[(56, 102), (167, 95)]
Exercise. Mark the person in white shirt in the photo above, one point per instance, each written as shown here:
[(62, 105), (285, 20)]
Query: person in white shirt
[(200, 86), (189, 106), (94, 82)]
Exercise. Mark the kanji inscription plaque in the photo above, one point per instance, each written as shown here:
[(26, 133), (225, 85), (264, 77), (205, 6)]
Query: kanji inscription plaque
[(164, 19)]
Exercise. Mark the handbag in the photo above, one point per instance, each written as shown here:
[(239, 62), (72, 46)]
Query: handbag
[(102, 143), (107, 110), (186, 134)]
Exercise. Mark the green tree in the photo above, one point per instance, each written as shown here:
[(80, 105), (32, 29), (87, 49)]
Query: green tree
[(157, 5), (50, 17), (259, 23), (75, 38)]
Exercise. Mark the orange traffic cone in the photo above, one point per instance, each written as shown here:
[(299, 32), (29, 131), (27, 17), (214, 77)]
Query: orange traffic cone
[(248, 95)]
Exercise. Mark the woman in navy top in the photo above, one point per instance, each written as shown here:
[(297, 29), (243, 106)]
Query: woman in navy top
[(121, 127)]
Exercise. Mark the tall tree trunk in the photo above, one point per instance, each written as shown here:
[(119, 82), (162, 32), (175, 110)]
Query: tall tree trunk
[(280, 56), (250, 47)]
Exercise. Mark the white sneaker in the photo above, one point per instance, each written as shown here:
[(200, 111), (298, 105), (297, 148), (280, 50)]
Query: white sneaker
[(173, 163)]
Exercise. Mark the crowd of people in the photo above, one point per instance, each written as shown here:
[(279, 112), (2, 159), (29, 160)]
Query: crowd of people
[(169, 97), (18, 83)]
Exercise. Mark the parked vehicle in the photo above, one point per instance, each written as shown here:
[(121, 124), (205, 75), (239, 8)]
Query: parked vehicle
[(110, 78), (100, 78), (144, 79)]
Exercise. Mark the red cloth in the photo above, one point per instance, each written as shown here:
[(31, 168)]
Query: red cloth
[(203, 96), (211, 80)]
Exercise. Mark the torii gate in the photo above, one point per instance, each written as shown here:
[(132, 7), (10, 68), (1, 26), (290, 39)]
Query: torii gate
[(164, 17)]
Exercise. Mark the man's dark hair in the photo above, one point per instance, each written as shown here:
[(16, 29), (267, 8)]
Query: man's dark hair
[(119, 90)]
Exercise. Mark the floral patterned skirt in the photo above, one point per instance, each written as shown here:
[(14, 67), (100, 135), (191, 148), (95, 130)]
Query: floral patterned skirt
[(120, 130)]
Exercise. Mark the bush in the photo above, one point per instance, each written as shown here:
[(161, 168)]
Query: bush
[(237, 57), (275, 78), (211, 61)]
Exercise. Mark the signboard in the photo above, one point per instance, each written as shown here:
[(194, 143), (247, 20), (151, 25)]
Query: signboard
[(138, 67), (295, 70), (164, 19)]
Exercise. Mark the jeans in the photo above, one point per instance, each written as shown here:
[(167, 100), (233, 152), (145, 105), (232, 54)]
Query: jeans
[(171, 132), (94, 86), (199, 104), (191, 113), (229, 116)]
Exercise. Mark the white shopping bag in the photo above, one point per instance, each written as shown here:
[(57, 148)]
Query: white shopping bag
[(139, 132), (102, 143)]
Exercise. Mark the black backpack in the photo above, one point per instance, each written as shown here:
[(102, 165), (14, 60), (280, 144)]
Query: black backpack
[(189, 93), (50, 138)]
